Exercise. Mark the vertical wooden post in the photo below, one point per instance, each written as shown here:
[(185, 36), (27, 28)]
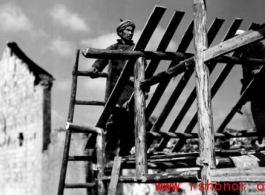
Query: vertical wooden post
[(100, 147), (139, 120), (205, 120)]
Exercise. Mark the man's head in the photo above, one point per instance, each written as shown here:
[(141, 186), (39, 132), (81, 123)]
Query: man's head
[(125, 30)]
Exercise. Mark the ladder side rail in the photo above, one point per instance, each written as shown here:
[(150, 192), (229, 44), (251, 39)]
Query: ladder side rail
[(68, 132)]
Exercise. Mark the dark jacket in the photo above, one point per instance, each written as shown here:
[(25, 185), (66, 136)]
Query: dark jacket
[(114, 71), (255, 50)]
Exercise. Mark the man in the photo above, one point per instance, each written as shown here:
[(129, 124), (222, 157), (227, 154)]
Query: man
[(257, 94), (116, 126)]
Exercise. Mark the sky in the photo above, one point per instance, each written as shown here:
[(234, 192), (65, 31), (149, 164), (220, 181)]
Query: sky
[(50, 32)]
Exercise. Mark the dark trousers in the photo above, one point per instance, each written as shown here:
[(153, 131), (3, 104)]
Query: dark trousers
[(119, 132)]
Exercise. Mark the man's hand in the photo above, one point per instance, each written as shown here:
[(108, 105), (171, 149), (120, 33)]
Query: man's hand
[(93, 72)]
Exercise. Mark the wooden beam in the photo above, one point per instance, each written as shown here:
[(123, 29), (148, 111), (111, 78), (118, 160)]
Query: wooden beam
[(100, 150), (204, 106), (213, 52), (161, 55), (139, 122), (115, 176), (147, 32)]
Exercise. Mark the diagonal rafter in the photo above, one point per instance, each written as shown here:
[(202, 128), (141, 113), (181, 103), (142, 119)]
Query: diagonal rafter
[(217, 84), (213, 30), (169, 32), (184, 43)]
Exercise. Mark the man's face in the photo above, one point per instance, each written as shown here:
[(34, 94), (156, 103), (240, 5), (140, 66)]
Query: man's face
[(127, 33)]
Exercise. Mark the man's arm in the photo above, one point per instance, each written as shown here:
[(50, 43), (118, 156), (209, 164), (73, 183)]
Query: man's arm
[(99, 64)]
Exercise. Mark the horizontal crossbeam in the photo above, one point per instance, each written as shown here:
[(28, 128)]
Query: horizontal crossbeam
[(223, 48), (118, 54)]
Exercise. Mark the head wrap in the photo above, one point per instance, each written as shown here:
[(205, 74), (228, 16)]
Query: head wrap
[(124, 24)]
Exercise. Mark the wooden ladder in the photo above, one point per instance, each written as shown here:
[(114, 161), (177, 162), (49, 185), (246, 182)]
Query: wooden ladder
[(75, 128)]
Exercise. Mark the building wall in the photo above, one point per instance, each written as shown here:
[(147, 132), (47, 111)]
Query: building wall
[(30, 156), (21, 133)]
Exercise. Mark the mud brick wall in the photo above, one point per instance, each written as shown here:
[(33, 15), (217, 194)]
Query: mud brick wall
[(30, 156)]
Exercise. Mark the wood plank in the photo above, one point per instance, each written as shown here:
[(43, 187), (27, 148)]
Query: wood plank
[(139, 122), (114, 176), (223, 48), (256, 174), (147, 32), (181, 85)]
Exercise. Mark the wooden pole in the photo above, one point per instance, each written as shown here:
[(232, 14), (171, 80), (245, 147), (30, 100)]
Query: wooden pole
[(205, 120), (100, 149), (139, 109)]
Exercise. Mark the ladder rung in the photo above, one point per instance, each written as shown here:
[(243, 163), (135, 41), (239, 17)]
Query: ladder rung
[(79, 185), (82, 158), (95, 103), (86, 73), (81, 128)]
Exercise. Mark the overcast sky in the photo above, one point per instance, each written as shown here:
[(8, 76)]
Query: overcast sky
[(50, 32)]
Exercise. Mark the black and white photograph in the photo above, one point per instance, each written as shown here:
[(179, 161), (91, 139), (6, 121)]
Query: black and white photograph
[(113, 97)]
